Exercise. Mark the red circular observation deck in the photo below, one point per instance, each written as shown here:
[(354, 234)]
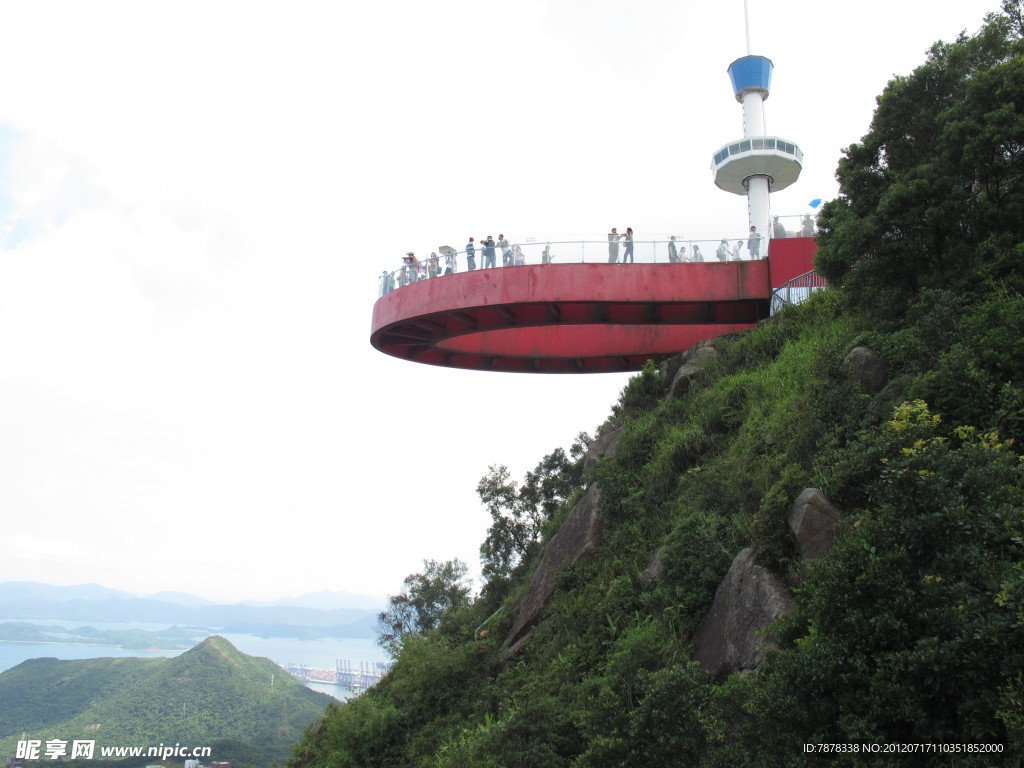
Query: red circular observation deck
[(579, 318)]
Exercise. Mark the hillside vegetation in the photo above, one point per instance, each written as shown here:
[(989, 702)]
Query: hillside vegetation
[(909, 631), (203, 697)]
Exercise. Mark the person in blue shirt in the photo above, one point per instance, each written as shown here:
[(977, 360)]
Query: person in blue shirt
[(489, 260)]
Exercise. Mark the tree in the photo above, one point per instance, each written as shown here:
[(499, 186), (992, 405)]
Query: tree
[(426, 599), (910, 630), (518, 514), (934, 193)]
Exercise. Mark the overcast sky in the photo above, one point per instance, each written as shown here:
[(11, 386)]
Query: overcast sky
[(196, 199)]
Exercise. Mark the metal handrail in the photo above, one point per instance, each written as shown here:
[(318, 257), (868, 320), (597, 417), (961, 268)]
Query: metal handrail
[(796, 290), (446, 260)]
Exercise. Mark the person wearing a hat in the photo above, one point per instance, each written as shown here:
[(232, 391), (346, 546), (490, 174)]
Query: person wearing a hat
[(411, 268)]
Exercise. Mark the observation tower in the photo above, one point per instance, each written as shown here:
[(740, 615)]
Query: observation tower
[(757, 164)]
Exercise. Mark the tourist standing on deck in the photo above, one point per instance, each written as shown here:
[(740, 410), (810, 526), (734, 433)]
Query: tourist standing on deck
[(613, 246), (470, 255), (489, 261), (736, 251), (506, 251), (411, 268), (673, 254), (723, 251), (627, 255), (754, 243)]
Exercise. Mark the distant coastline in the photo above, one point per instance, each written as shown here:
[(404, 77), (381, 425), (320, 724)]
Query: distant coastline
[(96, 645)]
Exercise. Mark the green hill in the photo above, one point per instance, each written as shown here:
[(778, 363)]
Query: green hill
[(655, 598), (208, 693)]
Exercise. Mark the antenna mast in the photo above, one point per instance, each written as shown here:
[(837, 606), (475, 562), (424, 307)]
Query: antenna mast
[(746, 24)]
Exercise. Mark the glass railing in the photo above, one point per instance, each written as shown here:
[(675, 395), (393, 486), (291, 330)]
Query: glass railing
[(771, 144), (446, 260)]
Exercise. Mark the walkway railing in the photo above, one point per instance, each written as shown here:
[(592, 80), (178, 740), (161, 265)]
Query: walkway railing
[(446, 260), (796, 290)]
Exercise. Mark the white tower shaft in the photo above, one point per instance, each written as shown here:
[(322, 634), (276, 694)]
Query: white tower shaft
[(758, 187), (753, 114)]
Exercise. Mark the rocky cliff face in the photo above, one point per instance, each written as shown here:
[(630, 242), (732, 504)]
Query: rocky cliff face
[(580, 533)]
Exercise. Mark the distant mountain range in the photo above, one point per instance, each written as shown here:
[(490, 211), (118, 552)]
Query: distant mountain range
[(307, 616), (327, 600), (324, 600), (34, 590), (246, 709)]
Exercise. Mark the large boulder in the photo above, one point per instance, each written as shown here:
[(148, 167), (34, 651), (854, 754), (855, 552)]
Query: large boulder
[(749, 599), (867, 369), (580, 533), (814, 522), (693, 360), (603, 446)]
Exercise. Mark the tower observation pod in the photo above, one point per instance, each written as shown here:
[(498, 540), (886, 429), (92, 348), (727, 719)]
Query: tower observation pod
[(757, 164)]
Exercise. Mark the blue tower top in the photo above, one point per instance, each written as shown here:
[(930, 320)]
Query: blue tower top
[(751, 73)]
